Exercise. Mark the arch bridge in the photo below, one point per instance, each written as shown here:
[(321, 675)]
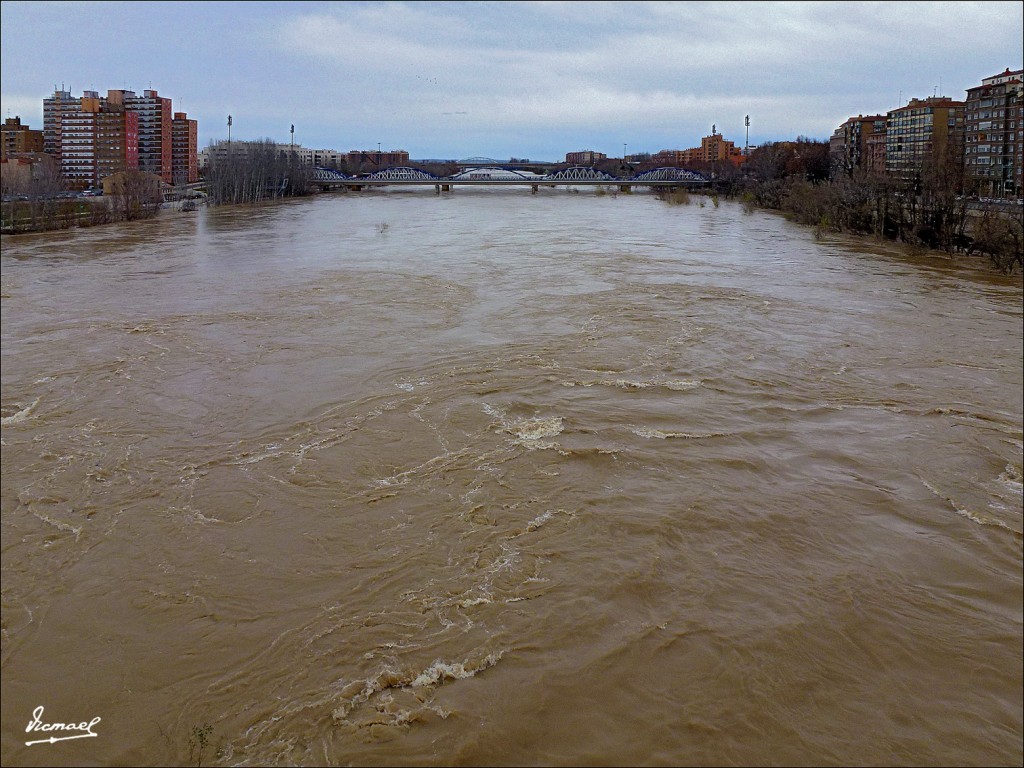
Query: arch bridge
[(503, 177)]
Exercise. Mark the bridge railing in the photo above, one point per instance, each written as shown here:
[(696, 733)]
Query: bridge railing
[(580, 173), (575, 174)]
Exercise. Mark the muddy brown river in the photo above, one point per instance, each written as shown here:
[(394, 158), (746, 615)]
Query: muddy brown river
[(493, 478)]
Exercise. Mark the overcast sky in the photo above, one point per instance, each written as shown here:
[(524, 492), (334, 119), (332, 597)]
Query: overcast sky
[(507, 79)]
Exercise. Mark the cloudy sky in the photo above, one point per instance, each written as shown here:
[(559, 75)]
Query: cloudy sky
[(504, 79)]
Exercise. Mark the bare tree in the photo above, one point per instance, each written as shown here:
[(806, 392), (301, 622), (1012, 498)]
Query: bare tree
[(32, 196), (253, 171), (137, 194)]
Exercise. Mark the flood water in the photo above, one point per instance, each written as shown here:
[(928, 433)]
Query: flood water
[(493, 478)]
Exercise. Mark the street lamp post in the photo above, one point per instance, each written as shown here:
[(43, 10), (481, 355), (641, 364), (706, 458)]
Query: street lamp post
[(714, 150)]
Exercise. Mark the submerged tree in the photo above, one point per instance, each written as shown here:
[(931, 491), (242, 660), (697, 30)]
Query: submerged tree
[(135, 194), (253, 171)]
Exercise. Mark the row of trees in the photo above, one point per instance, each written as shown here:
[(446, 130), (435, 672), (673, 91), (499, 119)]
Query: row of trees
[(36, 198), (254, 171)]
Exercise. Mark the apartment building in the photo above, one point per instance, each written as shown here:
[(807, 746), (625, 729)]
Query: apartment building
[(96, 141), (54, 108), (320, 157), (716, 148), (837, 151), (587, 157), (713, 149), (874, 153), (156, 131), (370, 160), (675, 158), (330, 158), (921, 131), (184, 154), (858, 144), (19, 138), (994, 134), (97, 138)]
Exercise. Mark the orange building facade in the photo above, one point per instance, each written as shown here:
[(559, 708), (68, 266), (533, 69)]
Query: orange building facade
[(184, 149), (19, 138)]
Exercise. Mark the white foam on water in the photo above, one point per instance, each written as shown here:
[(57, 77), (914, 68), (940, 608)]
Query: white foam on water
[(490, 410), (536, 429), (440, 671), (58, 524), (540, 519), (657, 434), (20, 416), (268, 452), (676, 385), (974, 517), (469, 602), (681, 385), (1012, 478), (625, 384), (543, 518), (361, 692), (981, 519)]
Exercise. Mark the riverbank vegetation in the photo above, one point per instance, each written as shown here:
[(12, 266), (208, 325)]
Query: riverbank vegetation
[(932, 208), (42, 202), (254, 171)]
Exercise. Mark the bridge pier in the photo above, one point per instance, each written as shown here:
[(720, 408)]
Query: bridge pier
[(627, 188), (534, 188)]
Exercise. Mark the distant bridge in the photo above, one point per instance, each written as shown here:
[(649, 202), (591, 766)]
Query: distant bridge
[(481, 176), (490, 162)]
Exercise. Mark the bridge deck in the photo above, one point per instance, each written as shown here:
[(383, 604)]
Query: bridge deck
[(507, 183)]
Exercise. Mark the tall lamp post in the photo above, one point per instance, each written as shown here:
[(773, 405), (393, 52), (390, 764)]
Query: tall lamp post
[(714, 151), (623, 153)]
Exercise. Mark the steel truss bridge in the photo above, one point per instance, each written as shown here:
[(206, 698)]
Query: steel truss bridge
[(327, 179)]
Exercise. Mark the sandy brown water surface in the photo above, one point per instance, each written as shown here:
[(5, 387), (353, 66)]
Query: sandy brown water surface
[(507, 479)]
